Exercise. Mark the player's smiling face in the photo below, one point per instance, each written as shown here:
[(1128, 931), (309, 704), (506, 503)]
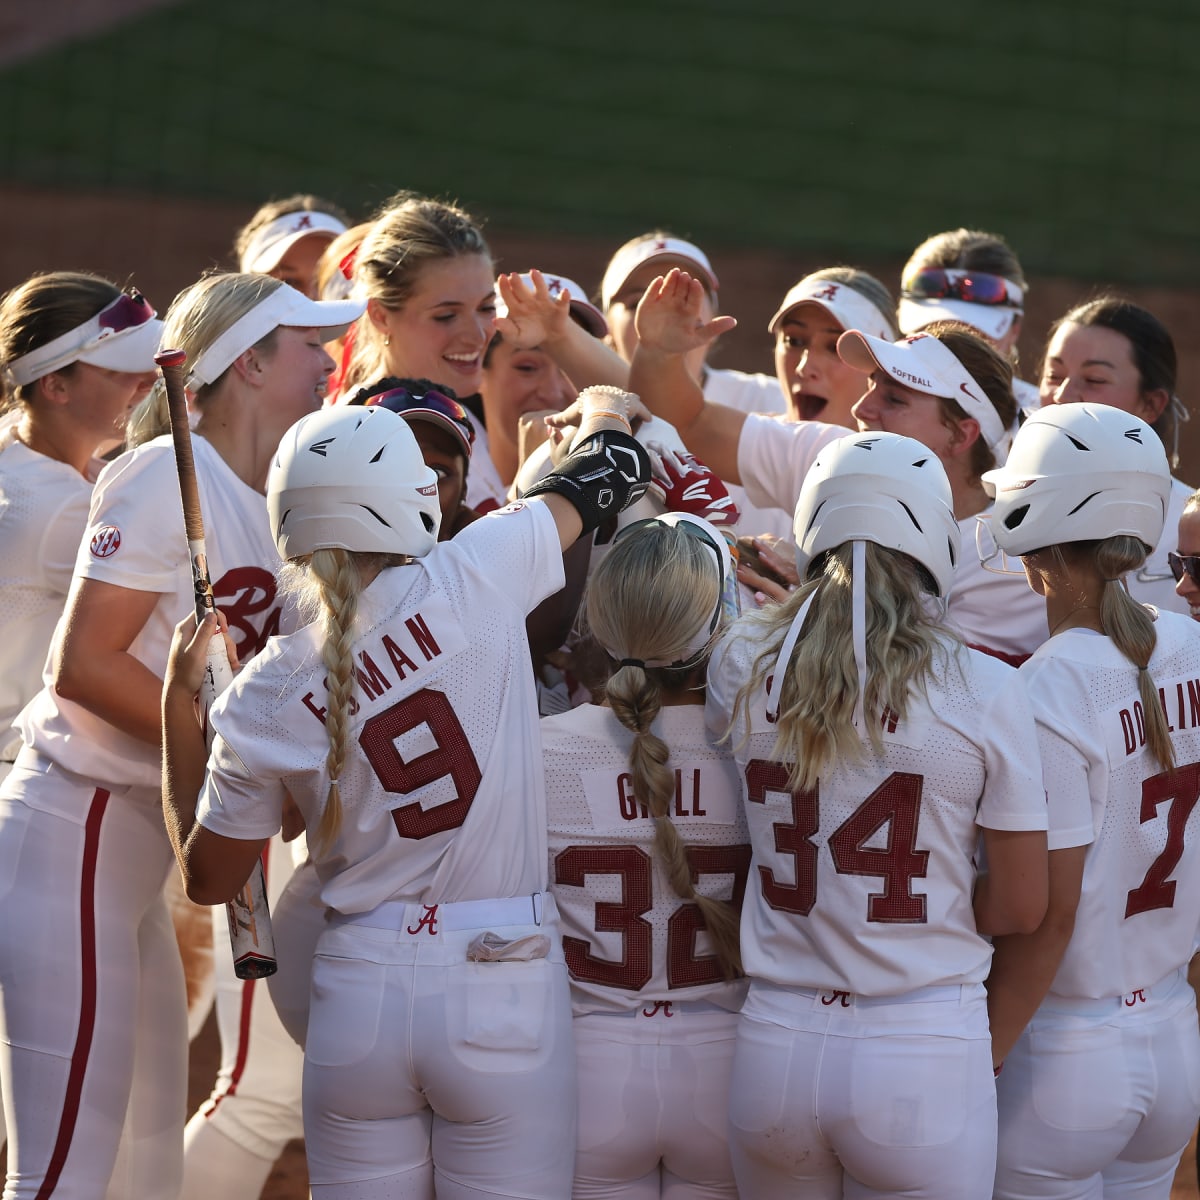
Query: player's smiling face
[(818, 385), (101, 399), (443, 328), (1092, 363), (298, 371), (890, 406)]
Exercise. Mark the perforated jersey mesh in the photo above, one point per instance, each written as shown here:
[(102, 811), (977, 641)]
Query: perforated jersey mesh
[(601, 854), (963, 758), (1140, 908)]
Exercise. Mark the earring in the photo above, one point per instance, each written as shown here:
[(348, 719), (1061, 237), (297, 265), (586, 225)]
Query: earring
[(387, 339)]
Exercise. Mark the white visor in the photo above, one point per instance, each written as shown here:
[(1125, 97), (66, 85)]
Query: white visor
[(992, 320), (582, 309), (924, 364), (284, 306), (849, 308), (672, 252), (269, 244), (122, 336)]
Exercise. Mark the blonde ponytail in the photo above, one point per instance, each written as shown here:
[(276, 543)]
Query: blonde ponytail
[(1131, 630), (819, 688)]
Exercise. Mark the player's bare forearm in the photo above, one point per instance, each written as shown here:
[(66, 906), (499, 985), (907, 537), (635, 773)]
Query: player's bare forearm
[(1024, 965), (1011, 897), (586, 360), (710, 431), (93, 666), (184, 759)]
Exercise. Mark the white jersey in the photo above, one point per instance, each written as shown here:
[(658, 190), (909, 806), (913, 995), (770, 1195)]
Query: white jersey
[(43, 513), (1140, 906), (486, 491), (751, 394), (629, 939), (747, 393), (1153, 583), (442, 792), (864, 883), (993, 610), (135, 539), (775, 455)]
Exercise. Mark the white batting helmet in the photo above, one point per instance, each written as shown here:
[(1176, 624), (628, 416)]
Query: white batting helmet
[(881, 488), (352, 478), (1077, 473)]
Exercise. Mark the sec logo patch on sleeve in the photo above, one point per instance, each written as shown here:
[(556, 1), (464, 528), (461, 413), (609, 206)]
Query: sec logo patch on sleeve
[(106, 541)]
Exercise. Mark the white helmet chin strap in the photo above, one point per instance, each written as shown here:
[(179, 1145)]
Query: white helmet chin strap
[(858, 635), (858, 627), (775, 679)]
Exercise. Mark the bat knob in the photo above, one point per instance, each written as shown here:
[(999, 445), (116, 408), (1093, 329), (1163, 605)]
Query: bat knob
[(171, 358)]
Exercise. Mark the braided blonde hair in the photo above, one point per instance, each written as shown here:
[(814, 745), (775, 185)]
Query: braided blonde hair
[(646, 601), (326, 587), (905, 647)]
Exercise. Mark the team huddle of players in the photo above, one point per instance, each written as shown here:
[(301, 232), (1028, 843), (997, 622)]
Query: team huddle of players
[(669, 781)]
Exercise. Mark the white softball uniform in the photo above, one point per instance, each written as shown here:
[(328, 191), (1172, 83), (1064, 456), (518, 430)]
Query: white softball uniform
[(750, 394), (863, 1057), (101, 1039), (423, 1058), (43, 512), (654, 1017), (1103, 1089)]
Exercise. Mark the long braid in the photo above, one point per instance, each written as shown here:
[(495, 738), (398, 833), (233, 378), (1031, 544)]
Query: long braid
[(647, 600), (340, 585)]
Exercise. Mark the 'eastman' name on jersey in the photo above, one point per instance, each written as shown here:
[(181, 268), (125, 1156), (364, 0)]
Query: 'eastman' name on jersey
[(372, 678)]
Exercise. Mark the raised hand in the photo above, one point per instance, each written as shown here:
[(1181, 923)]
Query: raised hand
[(669, 316)]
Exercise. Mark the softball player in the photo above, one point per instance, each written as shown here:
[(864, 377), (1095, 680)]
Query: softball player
[(874, 748), (430, 286), (287, 238), (1109, 351), (648, 860), (76, 355), (974, 277), (1102, 1092), (93, 1010), (947, 388), (403, 723)]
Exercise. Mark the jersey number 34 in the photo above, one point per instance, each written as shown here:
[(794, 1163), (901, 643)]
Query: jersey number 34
[(896, 803)]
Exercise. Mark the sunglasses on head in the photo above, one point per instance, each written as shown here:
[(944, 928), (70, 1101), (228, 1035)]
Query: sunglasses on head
[(128, 311), (401, 400), (973, 287), (1182, 564)]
